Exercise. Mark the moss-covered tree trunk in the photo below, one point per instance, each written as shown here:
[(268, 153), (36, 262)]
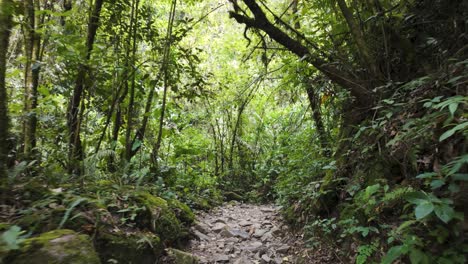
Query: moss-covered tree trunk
[(6, 11), (317, 117)]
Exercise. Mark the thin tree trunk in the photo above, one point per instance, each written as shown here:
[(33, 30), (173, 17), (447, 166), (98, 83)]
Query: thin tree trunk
[(215, 142), (140, 134), (358, 37), (130, 110), (317, 116), (75, 154), (157, 146), (31, 74), (6, 12), (221, 145), (314, 102)]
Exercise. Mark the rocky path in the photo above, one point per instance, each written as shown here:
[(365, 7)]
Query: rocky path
[(243, 234)]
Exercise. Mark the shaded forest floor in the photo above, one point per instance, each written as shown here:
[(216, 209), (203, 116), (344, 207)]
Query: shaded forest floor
[(247, 233)]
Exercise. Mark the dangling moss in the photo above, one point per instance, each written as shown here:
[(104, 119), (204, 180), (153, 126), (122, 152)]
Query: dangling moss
[(61, 246)]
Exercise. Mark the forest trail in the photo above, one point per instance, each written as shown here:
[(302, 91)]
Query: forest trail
[(243, 234)]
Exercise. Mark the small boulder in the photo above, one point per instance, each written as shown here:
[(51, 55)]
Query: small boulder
[(222, 258), (61, 246), (283, 249), (180, 257), (218, 227), (200, 235)]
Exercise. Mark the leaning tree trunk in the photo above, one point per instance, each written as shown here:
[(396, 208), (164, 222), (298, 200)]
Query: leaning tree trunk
[(75, 152), (6, 11)]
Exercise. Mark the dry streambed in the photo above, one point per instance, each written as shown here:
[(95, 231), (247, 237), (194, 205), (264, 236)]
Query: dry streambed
[(243, 234)]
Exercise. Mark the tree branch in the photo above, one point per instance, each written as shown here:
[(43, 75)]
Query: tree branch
[(260, 21)]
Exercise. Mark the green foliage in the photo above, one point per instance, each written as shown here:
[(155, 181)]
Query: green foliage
[(11, 239), (69, 210), (365, 252)]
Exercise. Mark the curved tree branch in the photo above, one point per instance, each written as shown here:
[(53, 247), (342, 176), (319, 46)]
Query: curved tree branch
[(260, 21)]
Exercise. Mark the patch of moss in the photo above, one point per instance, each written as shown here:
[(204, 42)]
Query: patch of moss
[(233, 196), (158, 217), (4, 226), (55, 247), (181, 257), (182, 211), (133, 248)]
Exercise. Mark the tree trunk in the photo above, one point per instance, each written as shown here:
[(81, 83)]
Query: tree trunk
[(6, 11), (317, 117), (75, 154), (314, 101), (130, 110), (358, 36), (31, 77), (167, 51)]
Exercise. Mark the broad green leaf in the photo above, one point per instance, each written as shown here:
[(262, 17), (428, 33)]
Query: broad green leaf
[(452, 131), (444, 212), (453, 108), (423, 209), (418, 257), (437, 184), (416, 197), (136, 145), (392, 254), (426, 175), (460, 176)]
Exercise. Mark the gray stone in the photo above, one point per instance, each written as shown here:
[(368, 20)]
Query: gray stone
[(222, 258), (240, 233), (276, 231), (244, 223), (201, 236), (218, 227), (259, 233), (219, 220), (266, 237), (242, 260), (265, 259), (267, 210), (201, 227), (283, 249), (226, 233)]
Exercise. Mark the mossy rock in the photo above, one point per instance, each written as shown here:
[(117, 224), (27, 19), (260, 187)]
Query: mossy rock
[(55, 247), (180, 257), (233, 196), (182, 211), (200, 203), (133, 248), (158, 217)]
